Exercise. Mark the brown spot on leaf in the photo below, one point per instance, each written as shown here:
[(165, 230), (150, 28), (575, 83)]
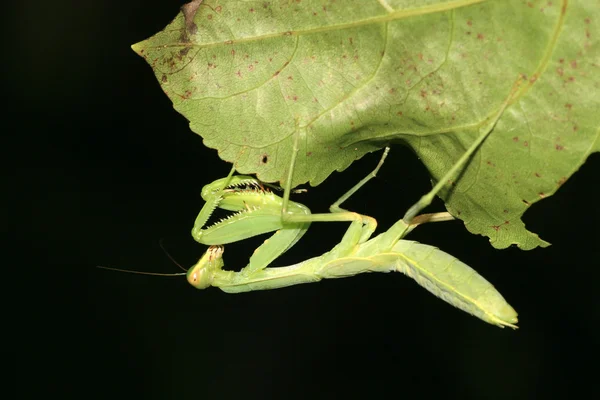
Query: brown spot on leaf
[(538, 175), (264, 158), (526, 143), (480, 36), (560, 71), (163, 79), (562, 180), (558, 147), (218, 9), (186, 95), (189, 12), (497, 227), (526, 202), (542, 195), (569, 106), (574, 64), (516, 139), (180, 54)]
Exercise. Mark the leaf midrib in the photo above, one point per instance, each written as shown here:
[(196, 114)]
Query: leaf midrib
[(393, 16)]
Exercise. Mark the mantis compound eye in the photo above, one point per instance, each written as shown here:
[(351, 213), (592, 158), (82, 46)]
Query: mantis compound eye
[(202, 274), (199, 278)]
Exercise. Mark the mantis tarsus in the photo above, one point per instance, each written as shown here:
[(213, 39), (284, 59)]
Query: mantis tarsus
[(259, 211)]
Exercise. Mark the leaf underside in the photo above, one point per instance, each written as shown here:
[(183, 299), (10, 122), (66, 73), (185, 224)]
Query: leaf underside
[(352, 76)]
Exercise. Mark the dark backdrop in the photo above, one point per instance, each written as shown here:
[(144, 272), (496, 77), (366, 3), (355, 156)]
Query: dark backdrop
[(101, 168)]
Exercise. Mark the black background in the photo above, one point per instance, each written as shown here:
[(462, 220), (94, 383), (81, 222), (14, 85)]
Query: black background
[(101, 168)]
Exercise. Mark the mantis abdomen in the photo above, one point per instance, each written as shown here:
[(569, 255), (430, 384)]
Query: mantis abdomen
[(453, 281), (440, 273)]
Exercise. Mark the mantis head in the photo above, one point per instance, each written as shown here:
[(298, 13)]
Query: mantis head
[(203, 273)]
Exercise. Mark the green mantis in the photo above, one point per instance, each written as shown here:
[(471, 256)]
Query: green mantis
[(258, 210)]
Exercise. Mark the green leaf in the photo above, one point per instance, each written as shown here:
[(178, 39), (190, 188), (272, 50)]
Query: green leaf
[(351, 76)]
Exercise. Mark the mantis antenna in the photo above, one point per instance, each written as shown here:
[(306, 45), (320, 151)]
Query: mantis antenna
[(140, 272), (160, 243)]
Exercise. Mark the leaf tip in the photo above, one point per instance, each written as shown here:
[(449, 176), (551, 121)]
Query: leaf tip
[(138, 48)]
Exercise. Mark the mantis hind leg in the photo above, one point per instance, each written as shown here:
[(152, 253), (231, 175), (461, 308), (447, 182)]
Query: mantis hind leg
[(485, 131), (410, 220)]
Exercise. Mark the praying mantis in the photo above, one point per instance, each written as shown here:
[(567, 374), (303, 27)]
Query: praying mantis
[(258, 211)]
